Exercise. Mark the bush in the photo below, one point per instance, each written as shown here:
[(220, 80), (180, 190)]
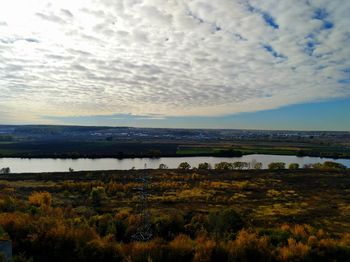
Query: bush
[(225, 223), (248, 246), (204, 166), (240, 165), (294, 251), (184, 166), (97, 194), (293, 166), (224, 166), (332, 165), (8, 204), (257, 165), (40, 199), (181, 248), (163, 166), (277, 165)]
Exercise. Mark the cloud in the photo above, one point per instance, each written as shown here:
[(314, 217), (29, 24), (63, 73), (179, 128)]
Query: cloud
[(67, 13), (51, 18), (175, 58)]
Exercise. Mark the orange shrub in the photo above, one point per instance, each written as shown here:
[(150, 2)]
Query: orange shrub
[(204, 247), (40, 199), (182, 247), (144, 251), (248, 246), (294, 250)]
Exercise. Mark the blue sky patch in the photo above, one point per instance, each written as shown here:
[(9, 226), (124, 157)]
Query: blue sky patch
[(272, 51), (270, 20), (320, 14)]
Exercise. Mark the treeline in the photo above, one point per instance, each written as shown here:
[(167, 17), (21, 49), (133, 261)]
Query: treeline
[(325, 154), (238, 165), (42, 232)]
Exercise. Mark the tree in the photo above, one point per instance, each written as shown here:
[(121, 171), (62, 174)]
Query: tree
[(293, 166), (224, 166), (184, 166), (205, 166), (5, 171), (97, 194), (240, 165), (163, 166), (277, 165), (317, 165), (333, 165), (71, 170), (257, 165)]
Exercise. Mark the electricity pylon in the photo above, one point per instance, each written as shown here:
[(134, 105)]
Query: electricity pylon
[(143, 232)]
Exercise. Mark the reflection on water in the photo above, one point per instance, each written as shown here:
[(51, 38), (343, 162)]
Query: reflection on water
[(23, 165)]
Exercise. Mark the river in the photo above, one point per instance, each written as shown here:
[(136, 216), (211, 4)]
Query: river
[(26, 165)]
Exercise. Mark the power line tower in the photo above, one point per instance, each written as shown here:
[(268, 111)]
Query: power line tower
[(143, 232)]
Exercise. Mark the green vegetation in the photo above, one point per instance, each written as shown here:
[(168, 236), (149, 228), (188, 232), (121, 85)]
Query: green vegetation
[(195, 215), (293, 166), (184, 166), (204, 166), (277, 165)]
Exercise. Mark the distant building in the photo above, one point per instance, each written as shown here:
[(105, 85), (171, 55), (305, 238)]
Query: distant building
[(6, 249)]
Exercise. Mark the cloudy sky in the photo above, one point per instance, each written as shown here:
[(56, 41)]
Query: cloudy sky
[(169, 62)]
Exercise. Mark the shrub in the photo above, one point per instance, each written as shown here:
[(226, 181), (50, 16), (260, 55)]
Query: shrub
[(97, 194), (40, 199), (294, 251), (224, 166), (204, 166), (184, 166), (163, 166), (332, 165), (204, 248), (277, 165), (145, 251), (181, 248), (248, 246), (293, 166), (8, 204), (240, 165), (224, 223), (257, 165)]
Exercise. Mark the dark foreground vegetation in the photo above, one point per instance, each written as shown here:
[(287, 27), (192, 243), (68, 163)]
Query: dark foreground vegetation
[(195, 215)]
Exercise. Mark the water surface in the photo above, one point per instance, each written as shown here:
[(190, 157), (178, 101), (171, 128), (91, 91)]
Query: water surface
[(25, 165)]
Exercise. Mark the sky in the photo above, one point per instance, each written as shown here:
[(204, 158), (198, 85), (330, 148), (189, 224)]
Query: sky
[(176, 63)]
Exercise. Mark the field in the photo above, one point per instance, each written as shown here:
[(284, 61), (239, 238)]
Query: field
[(157, 148), (122, 142), (200, 215)]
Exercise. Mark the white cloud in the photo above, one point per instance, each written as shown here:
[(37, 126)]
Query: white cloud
[(175, 57)]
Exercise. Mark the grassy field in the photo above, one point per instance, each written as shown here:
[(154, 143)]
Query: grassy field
[(154, 148), (267, 204)]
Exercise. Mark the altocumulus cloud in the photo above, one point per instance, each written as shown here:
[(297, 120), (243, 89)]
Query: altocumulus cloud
[(174, 58)]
